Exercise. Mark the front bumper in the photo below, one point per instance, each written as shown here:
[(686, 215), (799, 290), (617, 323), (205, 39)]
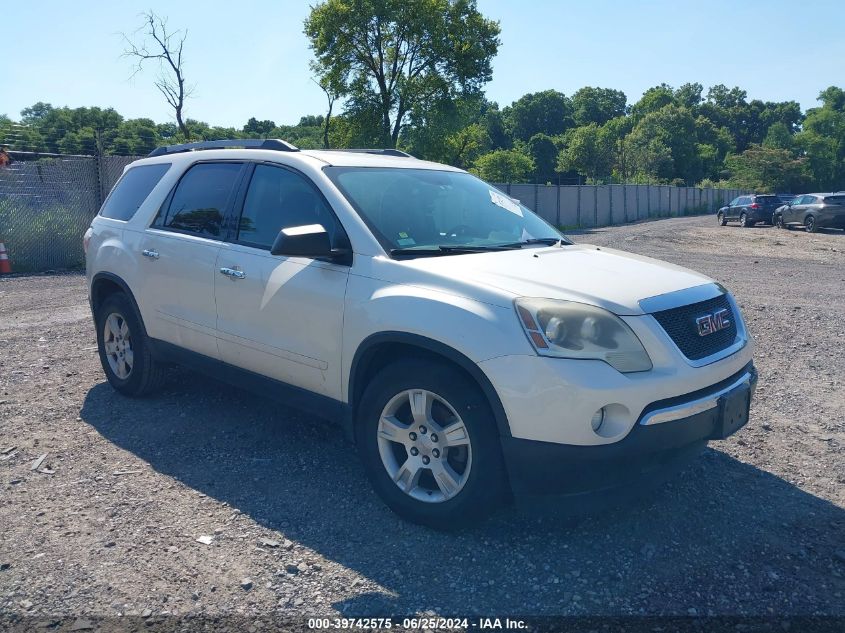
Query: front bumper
[(668, 433)]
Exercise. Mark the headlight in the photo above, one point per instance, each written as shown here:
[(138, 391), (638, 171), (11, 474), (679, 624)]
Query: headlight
[(567, 329)]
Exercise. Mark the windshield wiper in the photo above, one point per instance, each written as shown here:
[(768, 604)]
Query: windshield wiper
[(548, 241), (450, 249)]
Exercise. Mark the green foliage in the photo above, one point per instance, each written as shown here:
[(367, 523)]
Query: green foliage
[(401, 55), (504, 165), (589, 150), (543, 151), (597, 105), (765, 169), (662, 146), (548, 112), (33, 231)]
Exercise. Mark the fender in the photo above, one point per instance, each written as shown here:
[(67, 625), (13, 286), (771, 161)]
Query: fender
[(364, 354), (104, 276)]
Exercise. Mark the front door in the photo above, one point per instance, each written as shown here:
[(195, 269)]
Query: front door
[(281, 317)]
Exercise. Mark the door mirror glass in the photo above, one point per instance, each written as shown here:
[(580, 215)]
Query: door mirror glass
[(309, 240)]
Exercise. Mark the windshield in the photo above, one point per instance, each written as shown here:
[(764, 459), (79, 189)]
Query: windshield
[(424, 209)]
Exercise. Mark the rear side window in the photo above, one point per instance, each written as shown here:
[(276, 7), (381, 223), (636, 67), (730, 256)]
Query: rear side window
[(131, 190), (768, 200), (840, 199), (199, 202)]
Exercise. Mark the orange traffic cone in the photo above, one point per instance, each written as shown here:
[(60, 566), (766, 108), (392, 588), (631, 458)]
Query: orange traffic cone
[(5, 264)]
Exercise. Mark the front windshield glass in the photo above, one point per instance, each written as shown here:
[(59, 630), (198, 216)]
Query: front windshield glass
[(424, 209)]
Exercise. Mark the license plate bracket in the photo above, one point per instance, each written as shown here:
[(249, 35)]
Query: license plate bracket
[(733, 411)]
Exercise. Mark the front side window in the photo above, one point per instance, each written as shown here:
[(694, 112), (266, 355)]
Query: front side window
[(278, 198), (421, 209), (131, 190), (201, 197)]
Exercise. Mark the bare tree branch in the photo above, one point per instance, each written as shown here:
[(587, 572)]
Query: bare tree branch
[(152, 42)]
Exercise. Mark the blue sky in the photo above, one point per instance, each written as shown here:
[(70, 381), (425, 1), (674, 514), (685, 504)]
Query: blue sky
[(250, 58)]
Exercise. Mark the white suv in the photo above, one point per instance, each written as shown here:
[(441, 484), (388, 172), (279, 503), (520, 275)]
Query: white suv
[(469, 349)]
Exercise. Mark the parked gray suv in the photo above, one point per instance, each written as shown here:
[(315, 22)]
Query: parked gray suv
[(813, 211)]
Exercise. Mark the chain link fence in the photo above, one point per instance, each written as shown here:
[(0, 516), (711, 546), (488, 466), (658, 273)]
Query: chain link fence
[(47, 202)]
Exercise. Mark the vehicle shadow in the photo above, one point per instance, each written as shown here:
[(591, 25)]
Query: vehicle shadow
[(722, 533)]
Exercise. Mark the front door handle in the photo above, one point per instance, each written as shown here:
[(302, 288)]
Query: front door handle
[(148, 253), (234, 274)]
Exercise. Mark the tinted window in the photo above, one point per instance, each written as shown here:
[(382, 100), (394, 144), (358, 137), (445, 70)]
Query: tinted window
[(768, 200), (131, 191), (734, 202), (278, 198), (835, 200), (200, 199)]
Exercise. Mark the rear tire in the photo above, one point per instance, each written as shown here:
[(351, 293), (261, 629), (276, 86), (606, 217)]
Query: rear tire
[(720, 218), (447, 481), (744, 222), (124, 348)]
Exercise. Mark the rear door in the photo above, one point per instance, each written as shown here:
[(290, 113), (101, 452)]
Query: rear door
[(281, 317), (179, 251)]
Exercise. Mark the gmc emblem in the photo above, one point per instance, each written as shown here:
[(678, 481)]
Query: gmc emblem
[(710, 323)]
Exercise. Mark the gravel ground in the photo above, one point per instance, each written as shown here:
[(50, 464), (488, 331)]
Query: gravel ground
[(207, 500)]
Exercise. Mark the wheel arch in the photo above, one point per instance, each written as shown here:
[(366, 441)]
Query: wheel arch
[(380, 349), (105, 284)]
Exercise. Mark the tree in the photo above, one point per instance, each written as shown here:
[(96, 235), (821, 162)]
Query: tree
[(689, 95), (166, 49), (504, 165), (543, 150), (671, 128), (548, 112), (652, 100), (597, 105), (259, 129), (766, 169), (589, 151), (778, 137), (399, 55)]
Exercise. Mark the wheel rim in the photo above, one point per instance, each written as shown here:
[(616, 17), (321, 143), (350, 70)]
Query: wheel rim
[(810, 224), (424, 446), (742, 220), (117, 343), (719, 218)]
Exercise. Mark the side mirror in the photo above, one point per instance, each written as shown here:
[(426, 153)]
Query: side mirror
[(309, 240)]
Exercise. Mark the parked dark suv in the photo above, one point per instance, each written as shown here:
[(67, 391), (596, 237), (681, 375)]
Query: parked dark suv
[(749, 210), (813, 211)]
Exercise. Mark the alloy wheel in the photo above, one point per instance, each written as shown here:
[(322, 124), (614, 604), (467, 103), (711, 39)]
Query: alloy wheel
[(424, 445), (117, 343)]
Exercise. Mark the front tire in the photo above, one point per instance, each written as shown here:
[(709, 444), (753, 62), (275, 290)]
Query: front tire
[(429, 444), (810, 224), (778, 222), (124, 348), (720, 218)]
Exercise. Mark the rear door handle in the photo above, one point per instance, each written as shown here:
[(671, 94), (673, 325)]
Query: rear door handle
[(148, 253), (231, 272)]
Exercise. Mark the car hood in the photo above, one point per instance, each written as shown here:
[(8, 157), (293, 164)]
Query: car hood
[(608, 278)]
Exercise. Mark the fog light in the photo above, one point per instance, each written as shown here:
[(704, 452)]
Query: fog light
[(598, 418)]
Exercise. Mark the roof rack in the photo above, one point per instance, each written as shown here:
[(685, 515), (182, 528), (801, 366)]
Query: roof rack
[(247, 143), (382, 152)]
